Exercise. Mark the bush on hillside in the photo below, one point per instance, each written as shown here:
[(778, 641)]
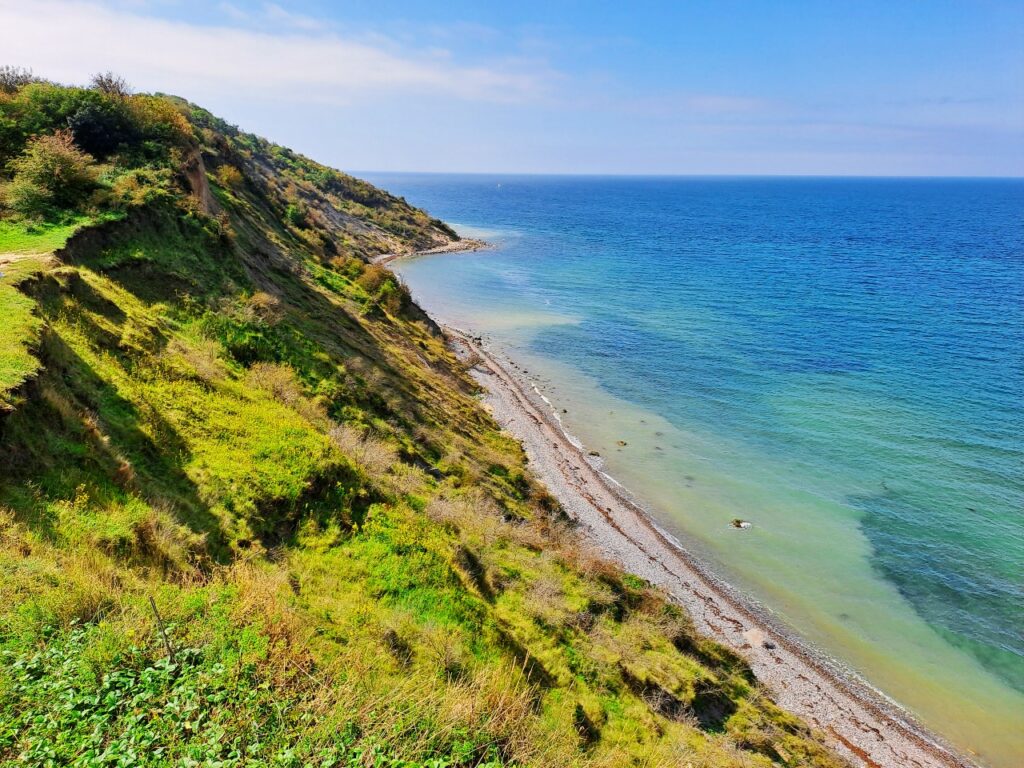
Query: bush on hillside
[(142, 186), (101, 126), (143, 128), (229, 177), (40, 108), (295, 214), (383, 289), (373, 278), (159, 120), (52, 173)]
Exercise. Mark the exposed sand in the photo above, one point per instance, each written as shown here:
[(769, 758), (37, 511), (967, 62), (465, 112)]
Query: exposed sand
[(863, 725), (466, 244)]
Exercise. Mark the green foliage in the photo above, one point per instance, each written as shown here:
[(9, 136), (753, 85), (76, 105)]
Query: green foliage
[(295, 214), (101, 126), (229, 177), (142, 187), (141, 709), (143, 126), (52, 175), (247, 342), (38, 109)]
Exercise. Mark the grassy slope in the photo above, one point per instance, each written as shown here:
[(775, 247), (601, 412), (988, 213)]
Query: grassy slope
[(22, 249), (238, 418)]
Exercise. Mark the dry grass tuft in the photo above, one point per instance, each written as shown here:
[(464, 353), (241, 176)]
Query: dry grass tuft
[(372, 454), (264, 307), (281, 383), (199, 358), (499, 701)]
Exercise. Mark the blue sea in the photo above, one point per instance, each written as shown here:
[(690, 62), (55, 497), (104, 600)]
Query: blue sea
[(838, 361)]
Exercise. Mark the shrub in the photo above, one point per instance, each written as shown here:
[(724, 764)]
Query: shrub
[(158, 119), (371, 453), (247, 342), (142, 186), (263, 307), (393, 296), (373, 278), (101, 126), (229, 177), (102, 123), (295, 214), (51, 173)]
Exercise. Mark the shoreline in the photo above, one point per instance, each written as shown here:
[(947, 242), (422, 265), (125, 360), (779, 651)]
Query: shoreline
[(862, 723), (464, 245)]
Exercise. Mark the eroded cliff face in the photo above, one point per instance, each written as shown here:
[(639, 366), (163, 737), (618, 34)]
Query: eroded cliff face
[(194, 170)]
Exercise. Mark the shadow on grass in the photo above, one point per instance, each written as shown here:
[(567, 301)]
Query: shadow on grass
[(74, 430)]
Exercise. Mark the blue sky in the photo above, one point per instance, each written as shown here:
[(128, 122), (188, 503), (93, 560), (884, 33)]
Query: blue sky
[(862, 88)]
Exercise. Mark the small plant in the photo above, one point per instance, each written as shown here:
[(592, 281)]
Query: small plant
[(295, 214)]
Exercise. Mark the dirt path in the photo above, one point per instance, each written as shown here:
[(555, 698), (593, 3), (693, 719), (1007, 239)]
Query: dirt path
[(6, 259)]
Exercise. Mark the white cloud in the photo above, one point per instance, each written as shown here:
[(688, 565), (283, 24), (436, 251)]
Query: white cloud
[(277, 15), (68, 41), (271, 14)]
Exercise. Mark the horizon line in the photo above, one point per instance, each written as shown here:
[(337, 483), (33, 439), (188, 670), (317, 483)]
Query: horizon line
[(598, 174)]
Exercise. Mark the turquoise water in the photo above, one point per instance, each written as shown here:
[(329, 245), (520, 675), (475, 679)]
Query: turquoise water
[(839, 361)]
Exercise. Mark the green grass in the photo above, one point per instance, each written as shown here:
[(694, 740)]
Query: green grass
[(21, 326), (30, 238), (328, 601), (353, 564), (21, 243)]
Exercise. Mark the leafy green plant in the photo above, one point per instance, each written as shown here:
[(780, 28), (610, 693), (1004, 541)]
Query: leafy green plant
[(295, 214), (51, 175)]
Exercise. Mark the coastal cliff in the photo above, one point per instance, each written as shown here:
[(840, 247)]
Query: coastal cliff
[(251, 509)]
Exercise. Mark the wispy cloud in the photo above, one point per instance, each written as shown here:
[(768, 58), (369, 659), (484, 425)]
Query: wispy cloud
[(272, 14), (69, 40)]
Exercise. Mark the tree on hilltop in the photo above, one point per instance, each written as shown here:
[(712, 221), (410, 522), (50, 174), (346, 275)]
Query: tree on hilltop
[(13, 78), (111, 84)]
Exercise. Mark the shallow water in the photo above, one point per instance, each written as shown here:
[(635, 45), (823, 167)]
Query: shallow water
[(839, 361)]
